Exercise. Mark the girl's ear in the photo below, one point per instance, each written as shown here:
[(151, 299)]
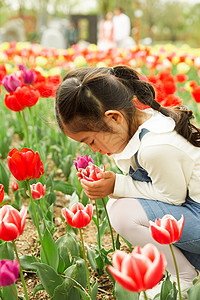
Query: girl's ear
[(115, 115)]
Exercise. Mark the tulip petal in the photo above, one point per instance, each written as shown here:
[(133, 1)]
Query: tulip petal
[(23, 213), (180, 225), (118, 257), (68, 215), (89, 209), (156, 271), (80, 219), (159, 234), (77, 206), (124, 280), (135, 266), (8, 232)]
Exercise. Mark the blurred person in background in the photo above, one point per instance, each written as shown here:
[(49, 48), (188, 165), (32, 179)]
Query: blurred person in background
[(71, 34), (106, 38), (122, 27)]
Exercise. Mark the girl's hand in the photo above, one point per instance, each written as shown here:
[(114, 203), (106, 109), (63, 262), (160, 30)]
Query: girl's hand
[(101, 188)]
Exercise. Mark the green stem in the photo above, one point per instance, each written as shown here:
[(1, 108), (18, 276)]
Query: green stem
[(86, 266), (33, 126), (145, 295), (111, 232), (36, 219), (25, 130), (98, 229), (42, 209), (20, 271), (177, 274), (14, 292)]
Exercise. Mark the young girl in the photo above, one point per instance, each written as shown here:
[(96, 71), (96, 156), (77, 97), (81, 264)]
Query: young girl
[(157, 149)]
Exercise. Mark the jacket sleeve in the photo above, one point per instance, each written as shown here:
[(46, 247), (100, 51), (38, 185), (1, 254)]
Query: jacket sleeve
[(169, 169)]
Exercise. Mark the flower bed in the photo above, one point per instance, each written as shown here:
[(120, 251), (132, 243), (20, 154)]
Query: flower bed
[(37, 172)]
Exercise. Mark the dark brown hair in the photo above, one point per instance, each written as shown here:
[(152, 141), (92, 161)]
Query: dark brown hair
[(87, 93)]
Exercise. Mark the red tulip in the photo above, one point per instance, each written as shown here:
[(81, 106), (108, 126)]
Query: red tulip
[(27, 96), (37, 191), (25, 164), (15, 186), (13, 103), (180, 77), (1, 192), (90, 172), (3, 72), (140, 270), (167, 230), (196, 94), (12, 222), (79, 216)]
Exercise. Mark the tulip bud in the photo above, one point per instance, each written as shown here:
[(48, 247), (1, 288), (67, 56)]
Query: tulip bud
[(37, 191), (15, 186)]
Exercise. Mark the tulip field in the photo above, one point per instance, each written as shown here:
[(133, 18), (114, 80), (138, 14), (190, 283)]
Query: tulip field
[(55, 243)]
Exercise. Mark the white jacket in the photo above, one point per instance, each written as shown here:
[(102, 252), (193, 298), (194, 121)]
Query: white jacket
[(172, 163)]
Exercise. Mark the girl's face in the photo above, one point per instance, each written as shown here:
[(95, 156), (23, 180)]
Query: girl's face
[(105, 142)]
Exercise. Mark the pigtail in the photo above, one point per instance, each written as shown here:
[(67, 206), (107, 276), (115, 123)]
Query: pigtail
[(145, 93)]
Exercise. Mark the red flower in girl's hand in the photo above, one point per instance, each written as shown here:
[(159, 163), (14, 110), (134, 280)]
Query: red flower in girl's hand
[(90, 172)]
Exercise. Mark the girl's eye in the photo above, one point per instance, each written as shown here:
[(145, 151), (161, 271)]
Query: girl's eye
[(92, 143)]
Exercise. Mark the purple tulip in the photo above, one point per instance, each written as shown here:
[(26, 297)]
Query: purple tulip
[(29, 76), (82, 161), (9, 271), (11, 82), (21, 67)]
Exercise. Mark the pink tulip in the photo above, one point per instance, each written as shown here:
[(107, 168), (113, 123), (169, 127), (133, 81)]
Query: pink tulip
[(11, 82), (82, 161), (167, 230), (37, 190), (79, 216), (140, 270), (9, 271), (12, 222)]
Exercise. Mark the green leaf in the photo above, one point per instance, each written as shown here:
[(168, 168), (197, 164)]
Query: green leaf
[(70, 243), (4, 176), (38, 288), (117, 242), (38, 211), (83, 294), (48, 277), (168, 289), (49, 250), (8, 293), (74, 199), (121, 293), (94, 290), (26, 262), (61, 186), (91, 254), (194, 292), (67, 290), (6, 251), (64, 259)]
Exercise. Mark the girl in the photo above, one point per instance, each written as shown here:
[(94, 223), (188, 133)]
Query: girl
[(157, 149)]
